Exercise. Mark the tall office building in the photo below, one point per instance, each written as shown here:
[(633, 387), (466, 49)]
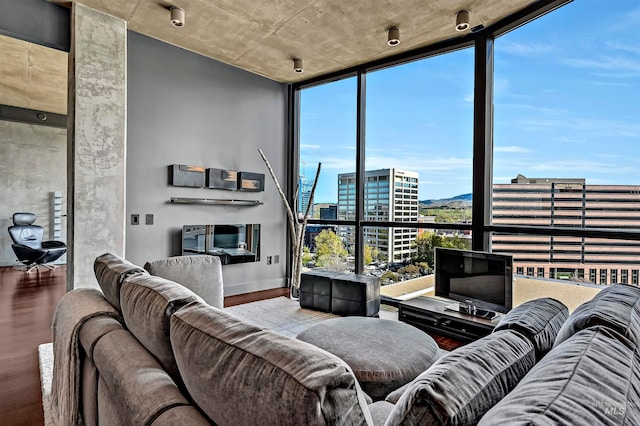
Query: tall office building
[(389, 195), (304, 195), (569, 203)]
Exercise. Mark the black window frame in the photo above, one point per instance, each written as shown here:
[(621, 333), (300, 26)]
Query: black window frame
[(482, 229)]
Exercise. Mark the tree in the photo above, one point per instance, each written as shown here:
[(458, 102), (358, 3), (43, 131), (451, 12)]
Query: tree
[(306, 255), (333, 263), (426, 243), (389, 276), (410, 270), (370, 254), (329, 249)]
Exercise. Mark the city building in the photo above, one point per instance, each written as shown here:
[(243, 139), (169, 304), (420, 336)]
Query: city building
[(330, 212), (390, 195), (304, 195), (569, 203)]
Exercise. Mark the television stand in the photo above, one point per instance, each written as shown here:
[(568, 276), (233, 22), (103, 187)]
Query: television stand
[(430, 314), (469, 309)]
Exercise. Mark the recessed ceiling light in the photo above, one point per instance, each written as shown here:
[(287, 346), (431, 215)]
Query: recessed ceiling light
[(177, 16), (462, 20), (393, 38)]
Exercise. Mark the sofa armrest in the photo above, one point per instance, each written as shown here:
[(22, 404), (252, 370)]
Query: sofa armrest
[(94, 329)]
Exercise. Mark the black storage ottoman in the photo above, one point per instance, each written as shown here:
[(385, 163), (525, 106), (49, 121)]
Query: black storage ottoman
[(315, 290), (355, 295)]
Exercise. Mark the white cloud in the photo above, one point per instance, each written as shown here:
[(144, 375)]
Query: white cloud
[(613, 83), (511, 149), (309, 146), (571, 167), (630, 48), (527, 50), (529, 107), (468, 98), (619, 64)]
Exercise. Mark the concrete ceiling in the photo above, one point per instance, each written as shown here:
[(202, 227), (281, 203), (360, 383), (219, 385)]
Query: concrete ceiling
[(328, 35)]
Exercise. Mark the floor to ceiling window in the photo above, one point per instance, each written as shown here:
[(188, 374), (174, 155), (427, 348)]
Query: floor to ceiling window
[(565, 184), (566, 134), (418, 150), (328, 136)]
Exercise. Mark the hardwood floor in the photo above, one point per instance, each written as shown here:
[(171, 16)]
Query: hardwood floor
[(27, 304), (255, 296)]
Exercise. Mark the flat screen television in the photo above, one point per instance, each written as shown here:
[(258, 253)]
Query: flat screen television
[(477, 280), (237, 243)]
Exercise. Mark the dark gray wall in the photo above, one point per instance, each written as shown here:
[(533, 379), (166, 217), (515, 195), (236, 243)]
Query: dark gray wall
[(184, 108), (36, 21)]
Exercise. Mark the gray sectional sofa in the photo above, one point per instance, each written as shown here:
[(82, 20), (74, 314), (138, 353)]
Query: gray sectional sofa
[(149, 351)]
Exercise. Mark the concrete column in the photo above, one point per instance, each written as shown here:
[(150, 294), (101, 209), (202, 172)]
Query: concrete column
[(96, 141)]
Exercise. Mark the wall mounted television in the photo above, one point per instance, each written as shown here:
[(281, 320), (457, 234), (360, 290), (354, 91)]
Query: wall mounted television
[(235, 243), (481, 282)]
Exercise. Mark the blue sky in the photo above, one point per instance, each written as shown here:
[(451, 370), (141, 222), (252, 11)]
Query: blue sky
[(567, 104)]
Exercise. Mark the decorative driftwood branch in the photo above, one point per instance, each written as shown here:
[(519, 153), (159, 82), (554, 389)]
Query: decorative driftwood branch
[(296, 229)]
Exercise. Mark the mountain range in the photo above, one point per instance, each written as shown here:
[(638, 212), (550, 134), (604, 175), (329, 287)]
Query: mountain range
[(459, 201)]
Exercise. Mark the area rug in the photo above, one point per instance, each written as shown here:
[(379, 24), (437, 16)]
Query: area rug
[(281, 314), (45, 360)]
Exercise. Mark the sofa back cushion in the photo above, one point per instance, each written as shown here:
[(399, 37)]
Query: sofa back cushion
[(147, 304), (133, 388), (539, 320), (238, 373), (462, 385), (616, 307), (593, 378), (111, 271), (201, 274)]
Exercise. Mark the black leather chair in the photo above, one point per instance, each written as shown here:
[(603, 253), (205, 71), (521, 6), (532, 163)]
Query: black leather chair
[(28, 245)]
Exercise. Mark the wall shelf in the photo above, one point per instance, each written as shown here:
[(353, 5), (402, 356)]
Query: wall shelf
[(215, 201)]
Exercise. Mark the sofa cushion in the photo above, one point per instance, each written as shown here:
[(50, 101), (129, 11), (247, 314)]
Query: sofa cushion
[(147, 304), (110, 272), (238, 373), (461, 386), (135, 387), (593, 378), (201, 274), (539, 320), (93, 329), (182, 415), (616, 307), (395, 396), (380, 411)]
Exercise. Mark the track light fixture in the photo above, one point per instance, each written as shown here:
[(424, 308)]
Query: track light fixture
[(297, 65), (393, 38), (177, 16), (462, 20)]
